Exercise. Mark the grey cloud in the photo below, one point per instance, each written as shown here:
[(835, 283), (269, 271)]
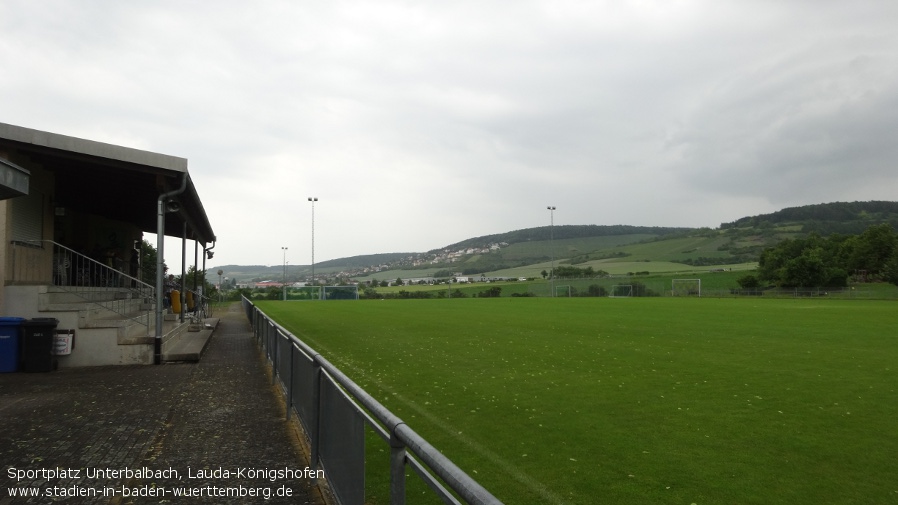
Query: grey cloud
[(399, 115)]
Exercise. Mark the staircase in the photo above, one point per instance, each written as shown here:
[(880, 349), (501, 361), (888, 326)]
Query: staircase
[(121, 335), (113, 314)]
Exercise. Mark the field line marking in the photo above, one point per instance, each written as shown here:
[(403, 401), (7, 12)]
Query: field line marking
[(509, 468)]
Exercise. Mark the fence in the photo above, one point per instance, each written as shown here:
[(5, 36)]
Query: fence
[(642, 286), (334, 410)]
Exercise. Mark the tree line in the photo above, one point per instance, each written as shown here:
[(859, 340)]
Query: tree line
[(572, 272), (816, 261), (825, 218)]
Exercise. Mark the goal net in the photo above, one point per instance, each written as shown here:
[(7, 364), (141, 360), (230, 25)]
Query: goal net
[(686, 287), (341, 293), (621, 291)]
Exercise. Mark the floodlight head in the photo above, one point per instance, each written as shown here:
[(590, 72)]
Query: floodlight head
[(313, 199), (209, 254)]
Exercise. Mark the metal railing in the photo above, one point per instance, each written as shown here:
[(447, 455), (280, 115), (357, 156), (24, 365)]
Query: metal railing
[(203, 306), (92, 281), (334, 410)]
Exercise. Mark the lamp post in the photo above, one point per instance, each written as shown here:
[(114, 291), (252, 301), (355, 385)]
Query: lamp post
[(551, 209), (313, 199), (284, 283)]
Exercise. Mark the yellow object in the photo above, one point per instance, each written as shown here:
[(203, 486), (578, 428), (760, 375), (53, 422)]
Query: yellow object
[(176, 301), (190, 303)]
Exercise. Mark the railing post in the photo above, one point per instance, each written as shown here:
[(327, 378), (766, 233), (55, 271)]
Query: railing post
[(397, 470), (293, 351), (273, 352), (314, 442)]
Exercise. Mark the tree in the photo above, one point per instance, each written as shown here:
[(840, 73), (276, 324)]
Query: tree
[(544, 274), (807, 270), (809, 262), (148, 257), (871, 250), (891, 269)]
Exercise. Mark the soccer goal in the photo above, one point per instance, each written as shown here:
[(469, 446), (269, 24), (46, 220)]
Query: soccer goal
[(341, 293), (621, 291), (563, 291), (686, 287)]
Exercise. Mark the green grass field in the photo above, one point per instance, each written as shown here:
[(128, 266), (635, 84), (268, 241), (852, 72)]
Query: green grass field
[(652, 400)]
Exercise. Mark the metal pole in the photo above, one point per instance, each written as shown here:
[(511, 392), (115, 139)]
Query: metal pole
[(552, 246), (397, 470), (196, 271), (313, 199), (207, 254), (285, 273), (161, 204), (183, 273)]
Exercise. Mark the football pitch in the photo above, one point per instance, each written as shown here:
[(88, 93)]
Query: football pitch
[(651, 400)]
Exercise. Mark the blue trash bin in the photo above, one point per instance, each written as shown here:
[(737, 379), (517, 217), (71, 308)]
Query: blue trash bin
[(10, 334)]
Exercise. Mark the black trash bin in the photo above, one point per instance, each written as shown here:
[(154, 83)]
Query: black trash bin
[(37, 344)]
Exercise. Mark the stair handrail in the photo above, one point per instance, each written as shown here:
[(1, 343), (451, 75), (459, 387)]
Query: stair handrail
[(78, 273)]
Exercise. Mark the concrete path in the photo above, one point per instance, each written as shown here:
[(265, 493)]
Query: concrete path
[(212, 430)]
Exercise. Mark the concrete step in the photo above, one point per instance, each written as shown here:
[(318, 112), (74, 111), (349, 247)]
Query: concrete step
[(129, 331), (189, 345), (56, 294), (97, 310)]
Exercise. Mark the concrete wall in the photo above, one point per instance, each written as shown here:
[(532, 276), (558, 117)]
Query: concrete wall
[(93, 346)]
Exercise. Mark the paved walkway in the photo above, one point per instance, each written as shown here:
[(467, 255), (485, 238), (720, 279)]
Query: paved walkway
[(213, 429)]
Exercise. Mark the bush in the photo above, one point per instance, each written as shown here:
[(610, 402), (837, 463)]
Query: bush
[(596, 290), (748, 282), (493, 292)]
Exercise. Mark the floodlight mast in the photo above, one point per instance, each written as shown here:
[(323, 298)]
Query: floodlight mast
[(313, 199), (285, 273), (551, 209)]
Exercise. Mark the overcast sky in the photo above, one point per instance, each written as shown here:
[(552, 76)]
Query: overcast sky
[(422, 123)]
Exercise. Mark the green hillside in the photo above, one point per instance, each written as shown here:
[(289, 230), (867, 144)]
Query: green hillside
[(564, 232), (847, 218), (614, 249)]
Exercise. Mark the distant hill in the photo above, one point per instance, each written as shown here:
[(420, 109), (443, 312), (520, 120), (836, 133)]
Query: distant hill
[(364, 260), (826, 218), (561, 233), (737, 242)]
